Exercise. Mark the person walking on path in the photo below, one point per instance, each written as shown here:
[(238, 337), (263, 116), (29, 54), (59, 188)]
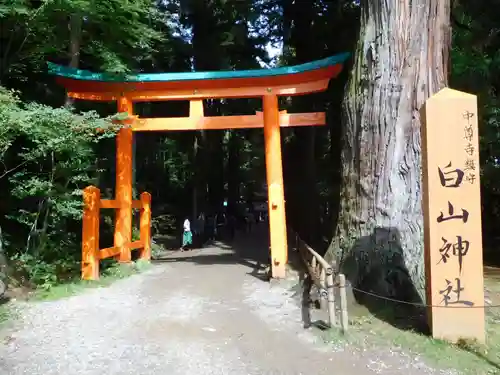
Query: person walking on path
[(187, 235)]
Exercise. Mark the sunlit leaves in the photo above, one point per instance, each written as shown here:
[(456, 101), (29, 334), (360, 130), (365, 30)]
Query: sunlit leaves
[(46, 158), (114, 32)]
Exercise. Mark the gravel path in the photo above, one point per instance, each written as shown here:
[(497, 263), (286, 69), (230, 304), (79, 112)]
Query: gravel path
[(201, 313)]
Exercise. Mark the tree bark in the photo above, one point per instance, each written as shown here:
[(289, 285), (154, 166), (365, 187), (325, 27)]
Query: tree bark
[(196, 177), (233, 172), (3, 260), (401, 59), (75, 36)]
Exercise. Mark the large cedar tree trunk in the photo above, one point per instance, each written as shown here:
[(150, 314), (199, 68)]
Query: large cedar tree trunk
[(401, 59)]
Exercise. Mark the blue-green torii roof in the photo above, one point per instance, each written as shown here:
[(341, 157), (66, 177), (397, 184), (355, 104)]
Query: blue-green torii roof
[(85, 75)]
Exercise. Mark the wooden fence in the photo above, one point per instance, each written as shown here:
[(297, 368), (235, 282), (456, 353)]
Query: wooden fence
[(322, 275), (91, 254)]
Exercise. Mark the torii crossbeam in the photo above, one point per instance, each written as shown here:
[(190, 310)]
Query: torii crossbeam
[(267, 84)]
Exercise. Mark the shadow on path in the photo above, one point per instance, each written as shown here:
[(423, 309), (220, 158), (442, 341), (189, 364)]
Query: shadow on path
[(248, 249)]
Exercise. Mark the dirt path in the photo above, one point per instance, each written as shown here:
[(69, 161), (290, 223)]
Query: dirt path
[(201, 315)]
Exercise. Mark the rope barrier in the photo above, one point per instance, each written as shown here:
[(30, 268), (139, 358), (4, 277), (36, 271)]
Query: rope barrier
[(416, 304), (323, 292)]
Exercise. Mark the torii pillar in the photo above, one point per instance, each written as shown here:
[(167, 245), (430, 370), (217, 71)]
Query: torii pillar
[(276, 198), (123, 184)]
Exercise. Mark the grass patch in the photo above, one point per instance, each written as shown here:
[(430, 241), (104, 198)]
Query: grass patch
[(4, 314), (108, 276), (111, 274), (7, 313), (373, 332)]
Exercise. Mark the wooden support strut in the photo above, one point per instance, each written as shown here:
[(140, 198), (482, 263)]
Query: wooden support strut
[(197, 120), (276, 199)]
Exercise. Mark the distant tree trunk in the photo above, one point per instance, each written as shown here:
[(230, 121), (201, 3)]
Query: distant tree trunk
[(305, 192), (233, 172), (287, 7), (75, 36), (3, 259), (401, 59), (215, 159), (196, 177), (208, 55)]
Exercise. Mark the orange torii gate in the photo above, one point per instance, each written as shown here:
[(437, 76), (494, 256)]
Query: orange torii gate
[(267, 84)]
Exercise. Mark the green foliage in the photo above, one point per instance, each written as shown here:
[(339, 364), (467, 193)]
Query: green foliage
[(475, 68), (156, 250), (5, 314), (46, 157), (136, 234), (108, 30)]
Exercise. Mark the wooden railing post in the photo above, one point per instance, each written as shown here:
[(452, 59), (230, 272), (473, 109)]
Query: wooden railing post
[(322, 281), (325, 282), (90, 233), (344, 322), (145, 226), (330, 297)]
